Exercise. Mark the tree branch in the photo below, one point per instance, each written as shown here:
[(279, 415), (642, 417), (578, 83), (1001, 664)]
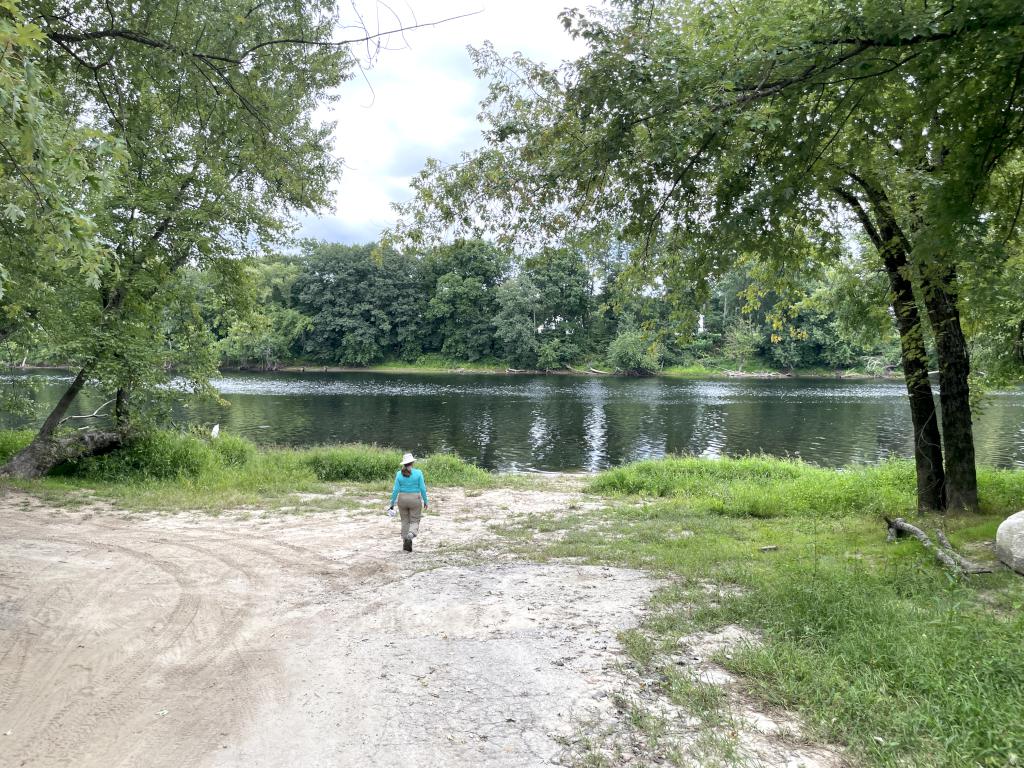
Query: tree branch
[(132, 36), (94, 415)]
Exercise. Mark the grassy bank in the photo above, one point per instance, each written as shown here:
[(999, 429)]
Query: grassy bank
[(169, 471), (874, 644)]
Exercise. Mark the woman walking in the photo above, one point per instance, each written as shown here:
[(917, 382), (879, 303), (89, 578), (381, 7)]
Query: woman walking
[(411, 493)]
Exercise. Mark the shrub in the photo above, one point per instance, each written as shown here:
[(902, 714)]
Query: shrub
[(630, 352), (358, 463), (233, 451), (157, 455), (446, 469), (369, 464)]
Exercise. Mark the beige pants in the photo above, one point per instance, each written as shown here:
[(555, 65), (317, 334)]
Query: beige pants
[(410, 507)]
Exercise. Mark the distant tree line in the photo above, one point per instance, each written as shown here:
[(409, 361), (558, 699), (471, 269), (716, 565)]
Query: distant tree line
[(361, 305)]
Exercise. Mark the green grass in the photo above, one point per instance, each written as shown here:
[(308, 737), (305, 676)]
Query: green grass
[(763, 486), (439, 363), (876, 645), (12, 441), (165, 470)]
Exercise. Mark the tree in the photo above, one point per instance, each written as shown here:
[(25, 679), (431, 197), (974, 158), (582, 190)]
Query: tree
[(213, 106), (633, 353), (742, 339), (363, 303), (564, 286), (515, 325), (706, 133), (462, 306), (52, 176)]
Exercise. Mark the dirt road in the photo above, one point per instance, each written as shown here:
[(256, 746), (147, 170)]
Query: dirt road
[(297, 640)]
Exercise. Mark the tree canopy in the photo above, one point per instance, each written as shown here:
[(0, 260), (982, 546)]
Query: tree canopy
[(153, 139), (708, 132)]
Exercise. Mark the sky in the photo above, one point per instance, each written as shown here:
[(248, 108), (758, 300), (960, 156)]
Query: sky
[(420, 99)]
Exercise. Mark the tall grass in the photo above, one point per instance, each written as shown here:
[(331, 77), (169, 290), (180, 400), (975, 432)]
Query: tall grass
[(12, 441), (763, 486), (171, 470)]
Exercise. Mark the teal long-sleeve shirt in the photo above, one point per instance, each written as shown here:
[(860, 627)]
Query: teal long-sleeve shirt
[(414, 483)]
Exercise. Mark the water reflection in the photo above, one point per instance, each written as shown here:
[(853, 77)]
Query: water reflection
[(563, 423)]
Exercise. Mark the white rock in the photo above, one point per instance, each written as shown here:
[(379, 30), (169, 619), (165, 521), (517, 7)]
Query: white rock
[(1010, 542)]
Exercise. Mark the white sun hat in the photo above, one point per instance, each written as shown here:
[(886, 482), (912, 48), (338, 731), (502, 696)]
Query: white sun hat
[(408, 459)]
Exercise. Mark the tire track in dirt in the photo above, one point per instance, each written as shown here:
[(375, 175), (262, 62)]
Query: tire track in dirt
[(60, 734), (212, 658), (212, 661), (45, 600)]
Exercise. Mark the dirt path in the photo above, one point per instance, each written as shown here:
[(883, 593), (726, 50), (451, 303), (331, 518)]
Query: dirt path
[(312, 640), (296, 640)]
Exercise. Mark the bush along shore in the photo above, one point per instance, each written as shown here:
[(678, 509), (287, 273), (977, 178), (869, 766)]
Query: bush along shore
[(878, 647)]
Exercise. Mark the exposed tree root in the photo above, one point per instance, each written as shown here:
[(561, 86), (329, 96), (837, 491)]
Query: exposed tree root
[(944, 552)]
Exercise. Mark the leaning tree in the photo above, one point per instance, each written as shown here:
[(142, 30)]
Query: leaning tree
[(198, 138)]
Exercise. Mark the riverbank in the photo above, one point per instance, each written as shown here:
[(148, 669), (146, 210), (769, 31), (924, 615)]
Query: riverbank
[(586, 369), (676, 612)]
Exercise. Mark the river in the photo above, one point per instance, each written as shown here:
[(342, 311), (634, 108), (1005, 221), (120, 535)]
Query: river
[(563, 423)]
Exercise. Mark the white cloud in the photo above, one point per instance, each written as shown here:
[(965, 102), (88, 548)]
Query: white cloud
[(420, 99)]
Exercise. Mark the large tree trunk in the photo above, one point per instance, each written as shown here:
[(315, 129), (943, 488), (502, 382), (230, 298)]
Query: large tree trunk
[(954, 389), (46, 450), (931, 480), (45, 453), (913, 355), (61, 408)]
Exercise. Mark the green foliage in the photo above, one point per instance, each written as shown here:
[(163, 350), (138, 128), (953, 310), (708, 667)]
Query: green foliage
[(632, 352), (741, 341), (515, 325), (174, 470), (463, 304), (155, 455), (362, 303), (261, 326), (185, 135), (354, 463), (447, 469), (761, 486), (366, 464), (54, 172), (232, 450), (924, 668)]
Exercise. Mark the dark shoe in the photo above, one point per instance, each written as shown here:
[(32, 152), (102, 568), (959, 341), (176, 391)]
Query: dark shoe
[(407, 545)]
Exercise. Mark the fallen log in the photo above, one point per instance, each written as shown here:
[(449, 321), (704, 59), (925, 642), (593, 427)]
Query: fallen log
[(944, 553)]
